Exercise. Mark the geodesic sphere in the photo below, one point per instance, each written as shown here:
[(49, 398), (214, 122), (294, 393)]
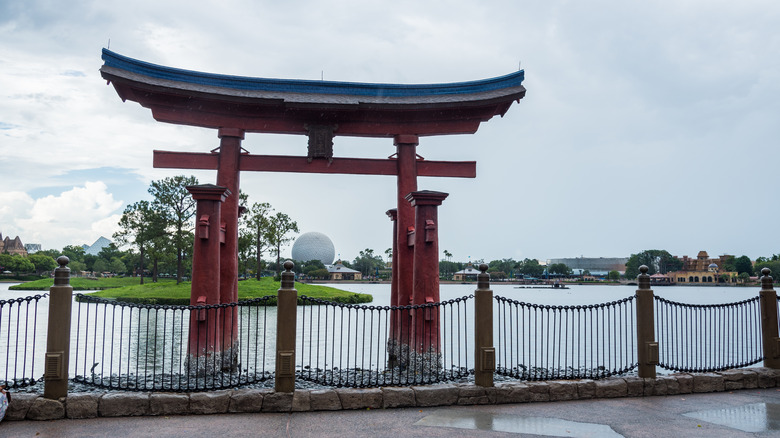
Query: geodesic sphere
[(313, 246)]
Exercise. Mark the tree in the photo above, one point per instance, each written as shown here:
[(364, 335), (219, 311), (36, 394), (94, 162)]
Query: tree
[(74, 253), (728, 264), (447, 268), (109, 251), (140, 224), (389, 255), (7, 262), (447, 255), (559, 269), (100, 266), (773, 265), (16, 263), (743, 264), (613, 275), (117, 266), (367, 262), (507, 266), (89, 260), (177, 207), (309, 266), (319, 273), (531, 268), (656, 260), (43, 263), (253, 233), (497, 275), (77, 267), (161, 249), (279, 227)]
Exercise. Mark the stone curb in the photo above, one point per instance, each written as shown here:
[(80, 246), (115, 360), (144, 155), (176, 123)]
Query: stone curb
[(119, 404)]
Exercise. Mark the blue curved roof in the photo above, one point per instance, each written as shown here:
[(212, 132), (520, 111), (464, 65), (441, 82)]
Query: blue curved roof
[(131, 65)]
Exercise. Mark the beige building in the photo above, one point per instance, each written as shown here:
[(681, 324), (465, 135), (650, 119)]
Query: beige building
[(702, 269), (341, 272), (467, 274), (12, 247)]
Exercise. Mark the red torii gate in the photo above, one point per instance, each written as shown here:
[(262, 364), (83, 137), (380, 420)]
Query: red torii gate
[(236, 105)]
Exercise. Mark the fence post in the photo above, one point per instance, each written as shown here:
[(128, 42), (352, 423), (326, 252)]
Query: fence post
[(485, 352), (769, 330), (647, 347), (55, 372), (286, 319)]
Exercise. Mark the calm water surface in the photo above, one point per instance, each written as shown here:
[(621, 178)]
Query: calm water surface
[(575, 295)]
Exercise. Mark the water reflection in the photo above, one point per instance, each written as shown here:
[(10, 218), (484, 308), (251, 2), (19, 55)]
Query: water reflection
[(124, 343), (517, 424), (755, 417)]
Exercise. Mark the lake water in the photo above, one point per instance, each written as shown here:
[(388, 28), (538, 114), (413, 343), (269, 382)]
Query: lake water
[(574, 296)]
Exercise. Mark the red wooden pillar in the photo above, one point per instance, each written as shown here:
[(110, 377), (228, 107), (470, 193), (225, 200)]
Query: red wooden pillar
[(393, 215), (406, 147), (228, 177), (426, 269), (206, 325), (394, 341), (403, 257)]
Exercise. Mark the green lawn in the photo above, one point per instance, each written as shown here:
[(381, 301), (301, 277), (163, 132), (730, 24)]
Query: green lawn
[(85, 283), (168, 292)]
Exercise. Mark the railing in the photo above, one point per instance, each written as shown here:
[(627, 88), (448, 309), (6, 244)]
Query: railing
[(541, 342), (124, 346), (148, 347), (18, 336), (347, 345), (712, 337)]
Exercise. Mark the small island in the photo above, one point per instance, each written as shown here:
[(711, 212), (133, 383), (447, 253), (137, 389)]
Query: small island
[(166, 291)]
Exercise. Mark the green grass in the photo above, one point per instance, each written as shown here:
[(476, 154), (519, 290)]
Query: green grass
[(168, 292), (84, 283)]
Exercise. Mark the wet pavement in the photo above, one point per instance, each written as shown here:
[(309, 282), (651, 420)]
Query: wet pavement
[(745, 413)]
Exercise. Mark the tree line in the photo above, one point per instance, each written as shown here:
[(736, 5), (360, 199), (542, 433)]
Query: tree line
[(162, 230), (159, 238)]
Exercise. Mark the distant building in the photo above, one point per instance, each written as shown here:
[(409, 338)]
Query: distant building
[(96, 247), (596, 266), (32, 248), (341, 272), (660, 280), (702, 269), (702, 262), (12, 247), (469, 273)]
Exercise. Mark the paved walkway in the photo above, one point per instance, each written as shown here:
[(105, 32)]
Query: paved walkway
[(744, 413)]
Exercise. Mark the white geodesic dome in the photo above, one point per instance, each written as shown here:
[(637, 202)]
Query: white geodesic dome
[(313, 246)]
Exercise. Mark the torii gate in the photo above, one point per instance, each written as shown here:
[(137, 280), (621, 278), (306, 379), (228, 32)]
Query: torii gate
[(236, 105)]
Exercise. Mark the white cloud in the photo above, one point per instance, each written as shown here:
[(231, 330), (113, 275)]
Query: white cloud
[(73, 217), (14, 206)]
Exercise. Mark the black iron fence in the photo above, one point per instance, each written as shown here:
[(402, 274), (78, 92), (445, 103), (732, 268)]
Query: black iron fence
[(171, 348), (712, 337), (542, 342), (346, 345), (19, 333), (152, 348)]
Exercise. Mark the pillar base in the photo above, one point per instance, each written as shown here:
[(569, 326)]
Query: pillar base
[(209, 362), (407, 359)]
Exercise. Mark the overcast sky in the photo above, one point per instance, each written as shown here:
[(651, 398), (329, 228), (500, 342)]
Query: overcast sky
[(646, 125)]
